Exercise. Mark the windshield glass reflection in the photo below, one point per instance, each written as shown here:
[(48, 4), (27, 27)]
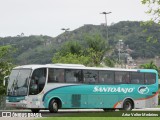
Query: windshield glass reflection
[(18, 82)]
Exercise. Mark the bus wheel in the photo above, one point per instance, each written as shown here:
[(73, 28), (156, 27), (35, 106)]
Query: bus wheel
[(35, 110), (127, 105), (53, 106), (109, 109)]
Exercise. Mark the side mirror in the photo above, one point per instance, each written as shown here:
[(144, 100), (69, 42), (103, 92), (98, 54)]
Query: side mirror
[(5, 80)]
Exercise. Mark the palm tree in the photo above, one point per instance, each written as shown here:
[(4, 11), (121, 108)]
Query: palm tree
[(150, 65)]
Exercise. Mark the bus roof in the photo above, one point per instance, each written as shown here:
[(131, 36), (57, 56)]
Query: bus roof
[(76, 66)]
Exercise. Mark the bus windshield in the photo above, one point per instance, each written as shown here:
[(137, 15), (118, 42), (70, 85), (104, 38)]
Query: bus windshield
[(18, 82)]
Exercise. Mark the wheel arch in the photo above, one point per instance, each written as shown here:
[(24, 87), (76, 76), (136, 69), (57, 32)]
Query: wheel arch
[(128, 98), (57, 99)]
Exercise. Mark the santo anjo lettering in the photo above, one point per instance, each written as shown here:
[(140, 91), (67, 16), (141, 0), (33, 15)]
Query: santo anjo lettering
[(112, 89)]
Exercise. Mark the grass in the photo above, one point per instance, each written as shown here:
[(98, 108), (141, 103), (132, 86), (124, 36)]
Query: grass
[(99, 118)]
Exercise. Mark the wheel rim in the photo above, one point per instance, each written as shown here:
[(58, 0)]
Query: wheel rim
[(55, 106), (128, 106)]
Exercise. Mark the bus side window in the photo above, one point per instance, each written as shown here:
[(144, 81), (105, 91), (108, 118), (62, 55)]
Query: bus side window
[(150, 78), (59, 75), (51, 77), (78, 75), (55, 75), (106, 77), (90, 76), (126, 78), (102, 80), (120, 77), (137, 78), (73, 76)]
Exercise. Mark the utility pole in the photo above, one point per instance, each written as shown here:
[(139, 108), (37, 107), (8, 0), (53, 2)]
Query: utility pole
[(65, 31), (119, 55), (105, 13)]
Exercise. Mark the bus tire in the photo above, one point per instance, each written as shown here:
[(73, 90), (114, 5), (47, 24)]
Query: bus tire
[(53, 106), (128, 105), (35, 110)]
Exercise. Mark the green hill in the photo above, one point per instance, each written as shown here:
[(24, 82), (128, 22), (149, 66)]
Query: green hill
[(142, 40)]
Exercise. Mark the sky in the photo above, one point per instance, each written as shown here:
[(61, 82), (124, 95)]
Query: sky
[(48, 17)]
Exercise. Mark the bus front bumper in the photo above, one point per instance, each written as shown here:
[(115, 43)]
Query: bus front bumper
[(16, 104)]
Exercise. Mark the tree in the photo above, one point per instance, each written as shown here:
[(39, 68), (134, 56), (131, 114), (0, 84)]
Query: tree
[(71, 58), (154, 9), (72, 47), (109, 62), (90, 53), (150, 65), (5, 65), (97, 48), (70, 52)]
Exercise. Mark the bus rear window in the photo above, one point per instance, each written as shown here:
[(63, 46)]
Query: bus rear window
[(150, 78)]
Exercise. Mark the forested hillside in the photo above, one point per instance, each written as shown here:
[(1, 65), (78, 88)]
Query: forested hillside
[(142, 40)]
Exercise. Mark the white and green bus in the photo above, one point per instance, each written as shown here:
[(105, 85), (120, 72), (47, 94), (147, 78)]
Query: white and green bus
[(73, 86)]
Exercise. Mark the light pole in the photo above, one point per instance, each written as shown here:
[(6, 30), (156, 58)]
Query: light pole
[(65, 30), (119, 58), (105, 13)]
